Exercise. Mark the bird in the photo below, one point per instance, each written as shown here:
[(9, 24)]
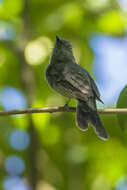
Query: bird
[(69, 79)]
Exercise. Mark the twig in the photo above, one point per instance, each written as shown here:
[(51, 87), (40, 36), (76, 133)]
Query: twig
[(58, 109)]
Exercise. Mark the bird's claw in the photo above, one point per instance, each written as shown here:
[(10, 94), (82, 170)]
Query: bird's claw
[(66, 104)]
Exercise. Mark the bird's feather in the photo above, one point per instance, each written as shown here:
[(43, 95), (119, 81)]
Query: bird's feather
[(75, 76)]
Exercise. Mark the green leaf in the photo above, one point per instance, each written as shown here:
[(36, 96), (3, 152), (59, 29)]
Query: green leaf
[(122, 103), (111, 22)]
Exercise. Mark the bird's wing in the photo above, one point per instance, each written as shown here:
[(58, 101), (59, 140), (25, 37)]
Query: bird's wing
[(95, 89), (79, 79)]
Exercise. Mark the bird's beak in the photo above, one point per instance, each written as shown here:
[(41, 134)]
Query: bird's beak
[(58, 38)]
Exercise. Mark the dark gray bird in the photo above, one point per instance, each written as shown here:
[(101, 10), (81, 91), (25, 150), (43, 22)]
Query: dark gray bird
[(69, 79)]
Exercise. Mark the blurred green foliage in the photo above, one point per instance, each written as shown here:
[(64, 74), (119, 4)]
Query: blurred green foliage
[(122, 103), (60, 156)]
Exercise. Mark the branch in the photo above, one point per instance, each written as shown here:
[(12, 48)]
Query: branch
[(58, 109)]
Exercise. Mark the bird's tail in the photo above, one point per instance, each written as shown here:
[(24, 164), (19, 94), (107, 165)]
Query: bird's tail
[(87, 115)]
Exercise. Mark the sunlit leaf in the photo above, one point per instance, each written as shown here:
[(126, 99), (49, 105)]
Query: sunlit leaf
[(50, 135), (10, 9), (96, 5), (73, 15), (20, 121), (111, 22)]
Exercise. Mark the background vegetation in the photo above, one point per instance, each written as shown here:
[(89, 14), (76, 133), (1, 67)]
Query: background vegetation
[(47, 151)]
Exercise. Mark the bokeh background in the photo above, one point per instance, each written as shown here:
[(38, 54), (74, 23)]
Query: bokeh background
[(47, 151)]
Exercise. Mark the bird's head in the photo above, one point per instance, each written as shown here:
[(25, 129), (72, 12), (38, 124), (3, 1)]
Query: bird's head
[(62, 50), (63, 44)]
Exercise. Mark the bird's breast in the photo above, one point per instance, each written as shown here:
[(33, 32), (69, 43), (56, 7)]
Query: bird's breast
[(52, 76)]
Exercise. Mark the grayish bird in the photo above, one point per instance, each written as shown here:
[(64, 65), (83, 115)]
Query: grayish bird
[(69, 79)]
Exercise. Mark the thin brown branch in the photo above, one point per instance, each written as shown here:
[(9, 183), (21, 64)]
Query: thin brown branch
[(58, 109)]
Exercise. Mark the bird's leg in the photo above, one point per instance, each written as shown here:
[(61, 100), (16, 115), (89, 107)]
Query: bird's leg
[(66, 104)]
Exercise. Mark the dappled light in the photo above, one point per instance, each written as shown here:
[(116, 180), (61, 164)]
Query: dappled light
[(46, 151), (77, 154), (15, 183), (12, 9), (111, 22), (121, 183), (7, 31), (19, 139), (14, 165), (17, 98), (123, 4), (97, 5), (110, 53), (50, 135), (37, 51)]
